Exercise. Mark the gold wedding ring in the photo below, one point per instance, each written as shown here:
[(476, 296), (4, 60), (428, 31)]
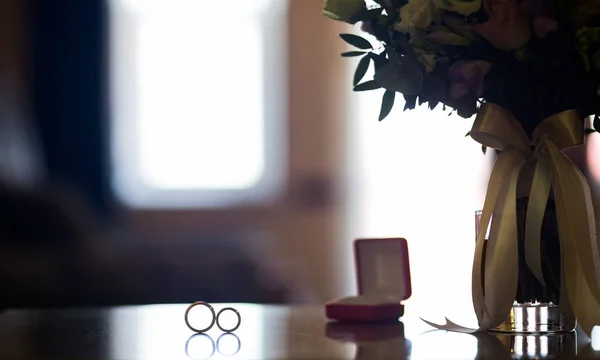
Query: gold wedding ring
[(212, 322), (215, 318), (238, 322)]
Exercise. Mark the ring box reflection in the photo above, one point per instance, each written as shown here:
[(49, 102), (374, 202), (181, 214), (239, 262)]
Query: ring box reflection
[(383, 279), (373, 341)]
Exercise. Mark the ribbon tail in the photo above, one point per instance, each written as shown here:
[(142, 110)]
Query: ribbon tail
[(586, 307), (503, 167), (577, 299), (536, 208), (501, 263), (575, 214), (564, 302), (450, 326), (576, 223)]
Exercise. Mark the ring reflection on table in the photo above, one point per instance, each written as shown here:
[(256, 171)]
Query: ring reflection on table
[(196, 349), (193, 341), (229, 336)]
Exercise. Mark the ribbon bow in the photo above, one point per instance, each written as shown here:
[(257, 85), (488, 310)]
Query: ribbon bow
[(497, 128)]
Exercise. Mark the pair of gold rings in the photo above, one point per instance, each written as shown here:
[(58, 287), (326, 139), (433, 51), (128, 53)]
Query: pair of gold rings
[(215, 318)]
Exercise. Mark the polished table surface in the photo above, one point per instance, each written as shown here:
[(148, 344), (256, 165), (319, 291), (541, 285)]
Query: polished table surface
[(266, 332)]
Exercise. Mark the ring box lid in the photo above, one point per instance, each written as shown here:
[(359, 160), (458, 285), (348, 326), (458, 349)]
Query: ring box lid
[(383, 268)]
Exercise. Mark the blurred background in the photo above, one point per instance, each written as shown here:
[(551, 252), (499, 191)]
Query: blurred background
[(170, 151)]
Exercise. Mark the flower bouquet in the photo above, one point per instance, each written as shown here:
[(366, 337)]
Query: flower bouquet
[(530, 72)]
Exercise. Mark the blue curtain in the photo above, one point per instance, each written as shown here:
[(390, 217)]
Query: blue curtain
[(69, 82)]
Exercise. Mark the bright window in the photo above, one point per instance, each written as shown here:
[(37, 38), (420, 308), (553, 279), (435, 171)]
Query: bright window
[(191, 121), (416, 175)]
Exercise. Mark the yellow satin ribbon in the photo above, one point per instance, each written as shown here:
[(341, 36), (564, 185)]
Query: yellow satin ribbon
[(496, 127)]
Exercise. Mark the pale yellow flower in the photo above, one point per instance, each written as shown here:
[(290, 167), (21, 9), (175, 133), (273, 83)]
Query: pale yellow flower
[(417, 14)]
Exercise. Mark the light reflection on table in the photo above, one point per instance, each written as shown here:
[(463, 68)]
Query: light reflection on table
[(159, 332), (448, 346), (266, 332)]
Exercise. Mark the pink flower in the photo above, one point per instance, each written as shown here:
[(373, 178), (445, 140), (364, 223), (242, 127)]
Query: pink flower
[(541, 12), (466, 77), (365, 26), (537, 7), (508, 26), (543, 25)]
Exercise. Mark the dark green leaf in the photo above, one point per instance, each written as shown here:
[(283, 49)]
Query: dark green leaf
[(467, 108), (589, 131), (387, 104), (412, 78), (410, 102), (380, 60), (410, 56), (357, 41), (367, 85), (374, 14), (361, 69), (399, 3), (468, 34), (353, 53), (597, 123)]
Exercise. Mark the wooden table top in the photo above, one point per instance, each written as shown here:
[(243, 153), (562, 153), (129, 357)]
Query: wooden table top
[(266, 332)]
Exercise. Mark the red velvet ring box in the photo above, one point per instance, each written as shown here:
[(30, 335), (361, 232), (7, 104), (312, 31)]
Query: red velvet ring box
[(383, 279)]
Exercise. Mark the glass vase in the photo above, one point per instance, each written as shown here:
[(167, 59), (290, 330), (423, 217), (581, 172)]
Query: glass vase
[(536, 309)]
